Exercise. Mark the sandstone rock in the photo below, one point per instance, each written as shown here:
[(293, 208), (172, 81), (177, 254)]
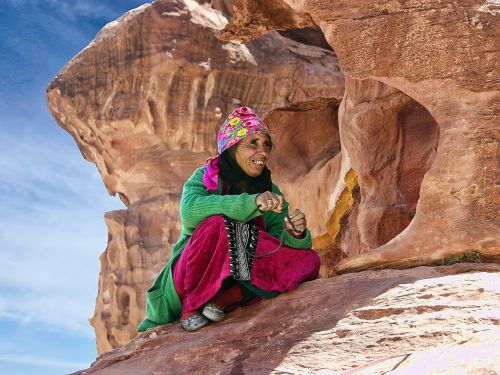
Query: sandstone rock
[(401, 173), (391, 141), (307, 164), (143, 102), (307, 155), (367, 322), (413, 48), (157, 96), (140, 241), (479, 355)]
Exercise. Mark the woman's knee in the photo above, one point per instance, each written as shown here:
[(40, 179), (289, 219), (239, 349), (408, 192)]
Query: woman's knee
[(210, 226), (315, 262), (213, 220)]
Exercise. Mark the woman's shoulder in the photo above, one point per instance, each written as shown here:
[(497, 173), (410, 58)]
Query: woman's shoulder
[(196, 184), (195, 181), (197, 174), (199, 171)]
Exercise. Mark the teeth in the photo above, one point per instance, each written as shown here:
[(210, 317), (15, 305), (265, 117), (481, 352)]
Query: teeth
[(258, 162)]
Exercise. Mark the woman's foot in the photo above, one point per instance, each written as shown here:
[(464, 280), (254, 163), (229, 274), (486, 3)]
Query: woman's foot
[(193, 321), (213, 312)]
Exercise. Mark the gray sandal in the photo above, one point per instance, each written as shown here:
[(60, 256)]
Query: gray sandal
[(194, 323), (213, 312)]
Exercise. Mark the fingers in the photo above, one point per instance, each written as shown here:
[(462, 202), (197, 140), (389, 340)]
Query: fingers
[(280, 198), (298, 228), (297, 213), (297, 217), (289, 226), (297, 221), (269, 201)]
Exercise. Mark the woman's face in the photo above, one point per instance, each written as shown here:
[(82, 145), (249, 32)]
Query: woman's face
[(252, 153)]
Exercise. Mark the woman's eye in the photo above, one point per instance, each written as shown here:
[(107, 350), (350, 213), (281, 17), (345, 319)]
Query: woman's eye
[(254, 143)]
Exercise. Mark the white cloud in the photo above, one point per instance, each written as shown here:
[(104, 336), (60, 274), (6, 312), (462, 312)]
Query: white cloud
[(49, 311), (87, 8), (41, 362), (52, 232), (52, 201)]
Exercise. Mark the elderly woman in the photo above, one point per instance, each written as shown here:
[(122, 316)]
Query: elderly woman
[(238, 242)]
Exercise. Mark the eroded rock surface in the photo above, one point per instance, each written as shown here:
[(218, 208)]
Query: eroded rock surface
[(140, 240), (391, 141), (143, 102), (147, 95), (395, 167), (412, 47), (302, 164), (369, 322)]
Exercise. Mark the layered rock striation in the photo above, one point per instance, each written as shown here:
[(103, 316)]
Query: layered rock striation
[(144, 101), (442, 55), (384, 118)]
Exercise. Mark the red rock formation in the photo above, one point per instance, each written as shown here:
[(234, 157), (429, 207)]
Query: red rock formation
[(307, 155), (402, 173), (140, 240), (414, 48), (143, 102), (367, 322), (391, 141)]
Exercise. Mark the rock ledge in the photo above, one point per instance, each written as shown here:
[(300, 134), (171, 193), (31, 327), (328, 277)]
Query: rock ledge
[(369, 322)]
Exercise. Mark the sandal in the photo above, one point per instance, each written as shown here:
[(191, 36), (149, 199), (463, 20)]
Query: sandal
[(213, 312), (194, 322)]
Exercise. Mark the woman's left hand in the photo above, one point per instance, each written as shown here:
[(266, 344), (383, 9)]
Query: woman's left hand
[(299, 221)]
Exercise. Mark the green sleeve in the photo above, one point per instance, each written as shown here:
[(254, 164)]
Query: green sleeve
[(275, 224), (197, 203)]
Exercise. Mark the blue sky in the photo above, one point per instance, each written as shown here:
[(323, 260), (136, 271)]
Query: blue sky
[(52, 201)]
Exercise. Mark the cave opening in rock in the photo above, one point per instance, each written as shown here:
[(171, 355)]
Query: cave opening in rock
[(307, 160), (353, 164), (311, 36), (391, 141), (124, 308)]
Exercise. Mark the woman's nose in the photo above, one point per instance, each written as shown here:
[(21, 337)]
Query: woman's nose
[(263, 149)]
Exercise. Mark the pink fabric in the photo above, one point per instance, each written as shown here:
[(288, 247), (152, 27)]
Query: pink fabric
[(211, 175), (240, 123), (204, 265)]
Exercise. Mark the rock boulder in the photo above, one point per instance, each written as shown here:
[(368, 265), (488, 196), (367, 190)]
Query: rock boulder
[(372, 322)]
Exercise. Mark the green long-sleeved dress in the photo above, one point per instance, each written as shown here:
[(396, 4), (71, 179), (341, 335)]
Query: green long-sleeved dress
[(162, 302)]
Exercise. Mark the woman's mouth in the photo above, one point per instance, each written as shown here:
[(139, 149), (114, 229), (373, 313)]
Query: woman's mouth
[(259, 163)]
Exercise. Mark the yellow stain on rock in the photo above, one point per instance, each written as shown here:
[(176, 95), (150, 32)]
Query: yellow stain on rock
[(343, 207)]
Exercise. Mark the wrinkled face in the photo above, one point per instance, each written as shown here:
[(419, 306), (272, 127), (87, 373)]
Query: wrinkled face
[(252, 153)]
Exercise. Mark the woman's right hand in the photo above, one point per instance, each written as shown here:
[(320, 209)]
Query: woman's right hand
[(269, 201)]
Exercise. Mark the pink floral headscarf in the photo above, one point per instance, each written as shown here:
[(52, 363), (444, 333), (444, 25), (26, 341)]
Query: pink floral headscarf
[(241, 123)]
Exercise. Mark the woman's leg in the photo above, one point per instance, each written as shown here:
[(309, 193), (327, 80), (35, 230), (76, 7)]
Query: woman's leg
[(203, 268), (203, 265), (285, 269)]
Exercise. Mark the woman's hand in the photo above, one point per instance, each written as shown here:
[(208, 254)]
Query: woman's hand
[(299, 222), (268, 201)]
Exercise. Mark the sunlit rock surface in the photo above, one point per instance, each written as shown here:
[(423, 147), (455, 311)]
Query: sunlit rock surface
[(422, 320)]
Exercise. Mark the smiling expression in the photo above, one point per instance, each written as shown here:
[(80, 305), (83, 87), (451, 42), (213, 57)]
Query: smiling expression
[(252, 153)]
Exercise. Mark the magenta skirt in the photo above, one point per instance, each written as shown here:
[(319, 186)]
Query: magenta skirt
[(205, 263)]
